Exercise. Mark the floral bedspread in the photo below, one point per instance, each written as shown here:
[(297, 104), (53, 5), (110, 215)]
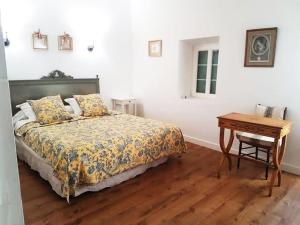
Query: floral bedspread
[(86, 151)]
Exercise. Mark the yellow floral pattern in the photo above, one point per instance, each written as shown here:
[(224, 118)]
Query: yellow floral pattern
[(50, 110), (86, 151), (91, 105)]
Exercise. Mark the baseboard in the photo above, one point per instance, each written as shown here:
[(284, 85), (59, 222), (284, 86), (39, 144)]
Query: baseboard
[(214, 146), (206, 144), (291, 168)]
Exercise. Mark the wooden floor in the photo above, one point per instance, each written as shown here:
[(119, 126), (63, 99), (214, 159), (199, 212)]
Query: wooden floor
[(182, 191)]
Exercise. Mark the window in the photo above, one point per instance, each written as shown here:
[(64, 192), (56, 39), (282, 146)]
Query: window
[(206, 72), (202, 72)]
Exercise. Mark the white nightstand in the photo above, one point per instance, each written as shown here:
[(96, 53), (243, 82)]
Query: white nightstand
[(124, 104)]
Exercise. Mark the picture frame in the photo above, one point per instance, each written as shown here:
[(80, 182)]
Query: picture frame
[(260, 47), (65, 42), (39, 41), (155, 48)]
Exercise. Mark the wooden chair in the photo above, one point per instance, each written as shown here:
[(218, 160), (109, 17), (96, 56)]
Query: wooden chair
[(261, 144)]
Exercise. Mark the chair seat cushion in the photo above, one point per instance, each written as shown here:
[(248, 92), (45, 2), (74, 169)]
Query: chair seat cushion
[(255, 139)]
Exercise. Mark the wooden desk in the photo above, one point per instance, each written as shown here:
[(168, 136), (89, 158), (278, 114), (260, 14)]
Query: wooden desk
[(275, 128)]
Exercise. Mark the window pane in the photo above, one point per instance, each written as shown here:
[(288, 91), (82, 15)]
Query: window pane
[(201, 74), (214, 70), (213, 85), (201, 84), (215, 57), (202, 57)]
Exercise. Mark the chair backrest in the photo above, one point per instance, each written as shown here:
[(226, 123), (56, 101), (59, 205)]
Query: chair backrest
[(271, 112), (284, 113)]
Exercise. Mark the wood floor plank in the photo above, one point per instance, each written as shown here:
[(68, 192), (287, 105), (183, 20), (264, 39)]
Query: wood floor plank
[(94, 217), (184, 190)]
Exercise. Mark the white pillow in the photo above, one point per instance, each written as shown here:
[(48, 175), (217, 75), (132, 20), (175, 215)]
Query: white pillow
[(28, 111), (75, 106), (275, 112), (19, 116), (69, 109)]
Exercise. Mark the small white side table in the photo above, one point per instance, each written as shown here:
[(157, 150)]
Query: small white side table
[(124, 103)]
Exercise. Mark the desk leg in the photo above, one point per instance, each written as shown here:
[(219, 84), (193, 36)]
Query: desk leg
[(276, 155), (225, 150), (281, 154)]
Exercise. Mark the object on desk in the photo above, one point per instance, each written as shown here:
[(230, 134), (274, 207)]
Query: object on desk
[(274, 128), (124, 104), (261, 144)]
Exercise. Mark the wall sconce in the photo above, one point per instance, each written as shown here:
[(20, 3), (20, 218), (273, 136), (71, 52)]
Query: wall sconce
[(6, 41), (90, 48)]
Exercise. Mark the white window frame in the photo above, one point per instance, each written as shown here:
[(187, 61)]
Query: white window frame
[(210, 50)]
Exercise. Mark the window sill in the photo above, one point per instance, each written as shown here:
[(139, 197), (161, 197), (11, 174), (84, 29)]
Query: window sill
[(204, 96)]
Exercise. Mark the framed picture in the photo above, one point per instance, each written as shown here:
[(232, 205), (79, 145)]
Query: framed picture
[(65, 42), (39, 41), (260, 47), (155, 48)]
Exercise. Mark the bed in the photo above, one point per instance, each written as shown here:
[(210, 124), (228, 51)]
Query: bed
[(89, 154)]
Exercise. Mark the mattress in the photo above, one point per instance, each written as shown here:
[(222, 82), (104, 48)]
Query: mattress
[(26, 154)]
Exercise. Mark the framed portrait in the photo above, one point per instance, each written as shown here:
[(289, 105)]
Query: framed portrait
[(39, 41), (155, 48), (65, 42), (260, 47)]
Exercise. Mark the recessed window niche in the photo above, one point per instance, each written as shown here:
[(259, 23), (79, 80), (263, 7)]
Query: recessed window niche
[(198, 66)]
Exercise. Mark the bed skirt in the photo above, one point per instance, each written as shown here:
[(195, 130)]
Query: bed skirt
[(25, 153)]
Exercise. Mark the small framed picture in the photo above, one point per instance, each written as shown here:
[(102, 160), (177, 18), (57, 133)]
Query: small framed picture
[(65, 42), (155, 48), (260, 47), (39, 41)]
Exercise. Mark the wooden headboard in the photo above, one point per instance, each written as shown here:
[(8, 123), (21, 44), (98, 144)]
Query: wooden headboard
[(56, 83)]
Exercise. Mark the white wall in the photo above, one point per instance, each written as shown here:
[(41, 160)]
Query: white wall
[(156, 80), (104, 21), (121, 31), (10, 196)]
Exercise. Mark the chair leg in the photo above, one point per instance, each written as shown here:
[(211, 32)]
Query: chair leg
[(240, 152), (268, 161), (256, 153)]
